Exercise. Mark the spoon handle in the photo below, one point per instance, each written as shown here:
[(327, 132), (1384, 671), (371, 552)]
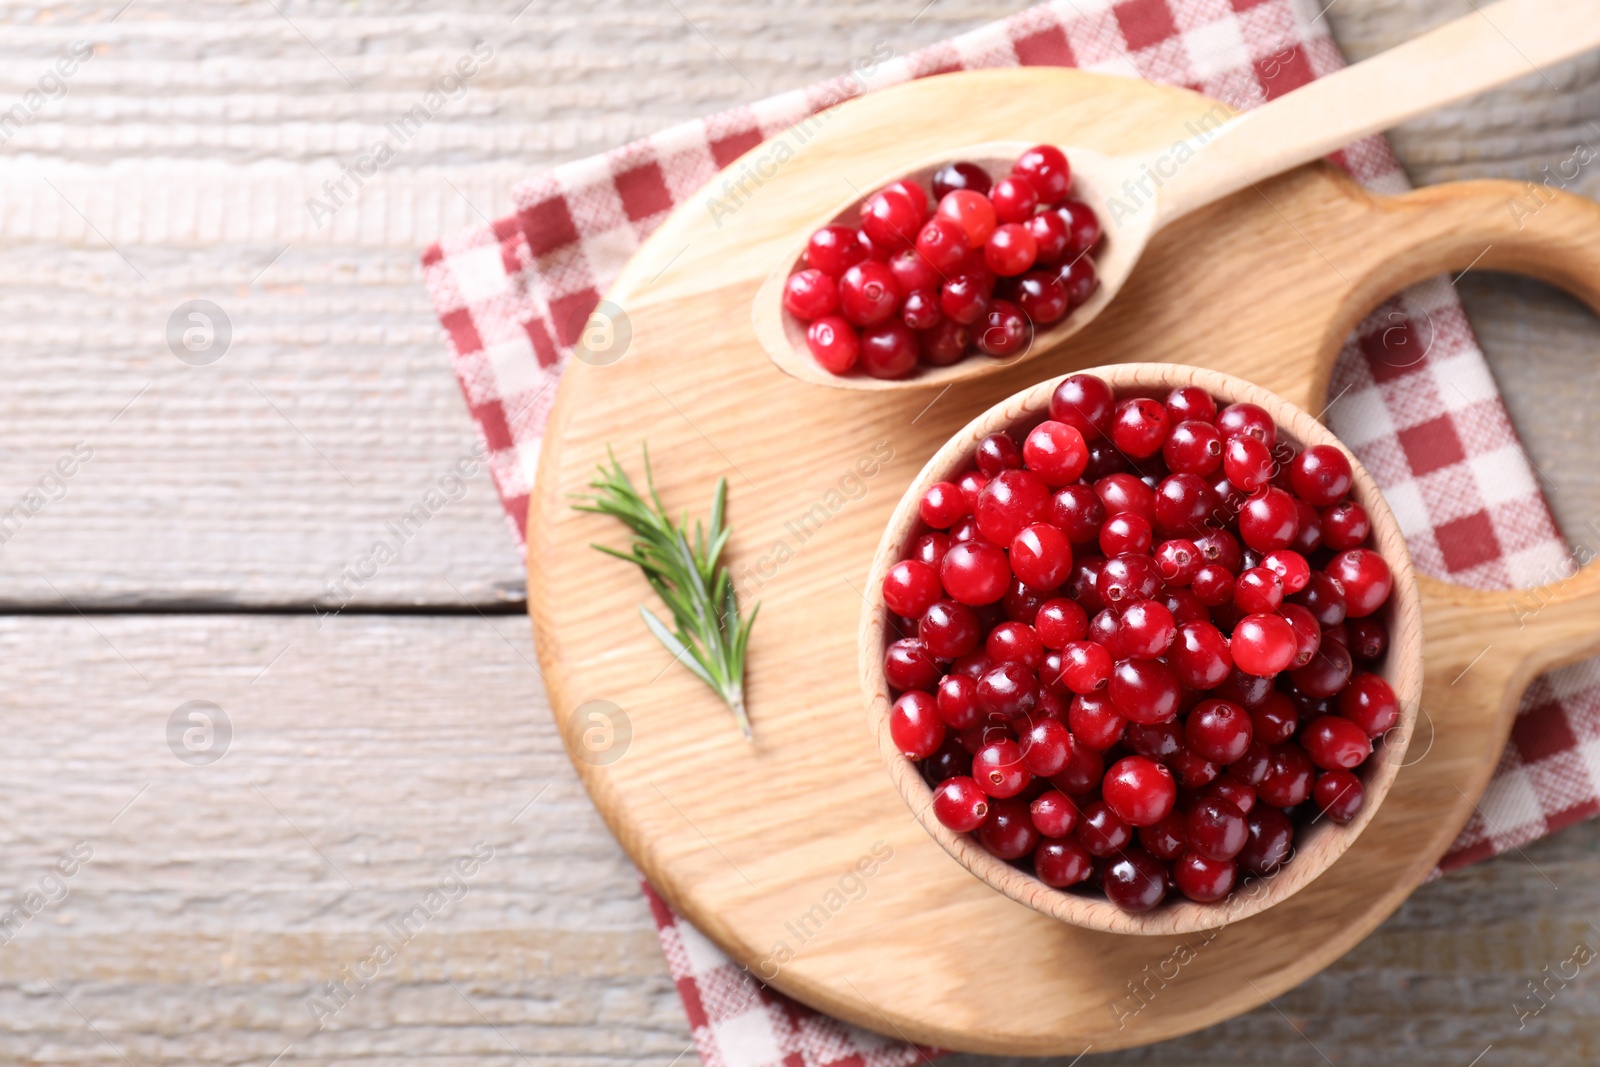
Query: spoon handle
[(1494, 44)]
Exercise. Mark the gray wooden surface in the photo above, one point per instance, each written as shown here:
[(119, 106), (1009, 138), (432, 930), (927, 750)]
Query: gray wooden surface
[(370, 750)]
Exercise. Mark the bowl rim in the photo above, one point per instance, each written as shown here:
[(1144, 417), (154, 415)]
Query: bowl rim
[(1313, 852)]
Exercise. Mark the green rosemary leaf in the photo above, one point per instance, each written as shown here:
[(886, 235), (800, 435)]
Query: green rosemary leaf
[(708, 635)]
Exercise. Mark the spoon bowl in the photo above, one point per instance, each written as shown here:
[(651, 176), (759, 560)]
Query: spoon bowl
[(1095, 178)]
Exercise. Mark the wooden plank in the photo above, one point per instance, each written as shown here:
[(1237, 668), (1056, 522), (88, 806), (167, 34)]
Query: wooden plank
[(204, 920)]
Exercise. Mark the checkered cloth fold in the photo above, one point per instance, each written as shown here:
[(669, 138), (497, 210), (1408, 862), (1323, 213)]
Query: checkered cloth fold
[(1416, 402)]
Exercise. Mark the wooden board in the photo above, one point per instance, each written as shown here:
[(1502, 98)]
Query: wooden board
[(749, 840)]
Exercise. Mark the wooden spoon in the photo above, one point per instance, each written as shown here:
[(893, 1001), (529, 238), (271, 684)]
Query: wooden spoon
[(1138, 195)]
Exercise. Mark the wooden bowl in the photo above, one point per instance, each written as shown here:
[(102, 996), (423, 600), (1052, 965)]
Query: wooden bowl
[(1318, 845)]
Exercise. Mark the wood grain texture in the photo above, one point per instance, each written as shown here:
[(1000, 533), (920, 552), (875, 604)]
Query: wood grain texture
[(743, 874), (201, 129)]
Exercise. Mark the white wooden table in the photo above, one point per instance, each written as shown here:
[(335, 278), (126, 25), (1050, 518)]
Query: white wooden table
[(188, 556)]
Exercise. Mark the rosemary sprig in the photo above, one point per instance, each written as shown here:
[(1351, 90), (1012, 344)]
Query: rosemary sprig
[(708, 636)]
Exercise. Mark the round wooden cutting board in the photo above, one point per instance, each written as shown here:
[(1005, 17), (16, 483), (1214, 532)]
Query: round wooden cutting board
[(794, 853)]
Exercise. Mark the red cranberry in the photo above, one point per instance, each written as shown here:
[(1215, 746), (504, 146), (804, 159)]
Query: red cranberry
[(930, 548), (1335, 743), (1326, 674), (1046, 169), (1062, 863), (1366, 579), (1218, 731), (1144, 691), (1200, 656), (1084, 226), (915, 725), (1014, 642), (965, 299), (1161, 741), (1253, 768), (942, 504), (1012, 499), (1190, 402), (910, 587), (1050, 234), (1046, 748), (1135, 880), (1011, 250), (907, 665), (1193, 447), (1215, 828), (1245, 689), (1085, 403), (1125, 579), (948, 630), (1320, 475), (1289, 776), (1008, 830), (1177, 560), (1009, 690), (1269, 520), (945, 344), (1246, 418), (833, 343), (891, 218), (1324, 597), (998, 769), (1078, 278), (1184, 505), (1140, 791), (1078, 510), (1233, 791), (1370, 703), (1289, 565), (975, 572), (1085, 666), (1271, 837), (1014, 198), (961, 175), (810, 294), (970, 210), (1101, 831), (1339, 794), (1263, 645), (1124, 492), (1005, 330), (1139, 426), (957, 702), (943, 243), (1204, 880), (1247, 462), (912, 273), (1054, 815), (1345, 525), (1056, 452), (888, 350), (1094, 722), (1164, 839), (1124, 533), (1104, 630), (1060, 622), (1147, 629), (998, 452), (959, 804), (1082, 773), (951, 761), (868, 293), (1258, 591), (1041, 555), (1275, 719), (834, 250), (1213, 585)]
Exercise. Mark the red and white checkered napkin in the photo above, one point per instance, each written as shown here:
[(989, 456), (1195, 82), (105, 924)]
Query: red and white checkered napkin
[(1412, 396)]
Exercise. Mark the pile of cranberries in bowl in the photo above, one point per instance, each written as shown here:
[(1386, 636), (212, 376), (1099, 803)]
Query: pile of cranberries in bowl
[(1141, 644), (923, 282)]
